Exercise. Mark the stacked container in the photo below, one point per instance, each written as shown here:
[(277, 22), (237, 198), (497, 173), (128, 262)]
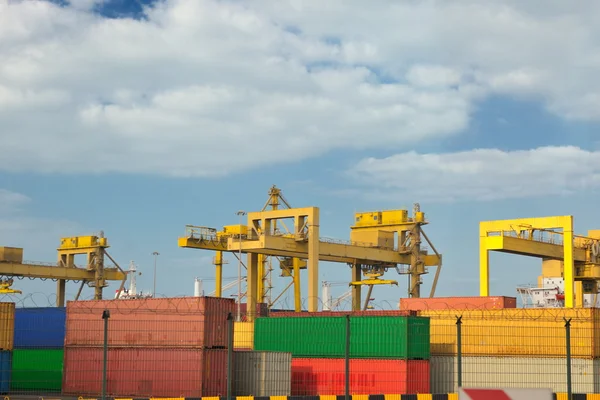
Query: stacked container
[(37, 361), (388, 354), (7, 331), (515, 348), (171, 347)]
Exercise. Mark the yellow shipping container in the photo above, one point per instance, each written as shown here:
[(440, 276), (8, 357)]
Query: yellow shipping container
[(516, 332), (243, 335), (7, 326)]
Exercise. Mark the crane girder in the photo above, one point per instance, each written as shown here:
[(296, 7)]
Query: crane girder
[(333, 252), (531, 248), (56, 272)]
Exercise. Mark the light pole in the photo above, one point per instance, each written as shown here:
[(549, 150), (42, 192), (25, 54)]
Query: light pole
[(155, 254), (239, 305)]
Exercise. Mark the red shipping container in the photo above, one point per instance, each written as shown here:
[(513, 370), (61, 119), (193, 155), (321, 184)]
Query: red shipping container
[(325, 376), (146, 372), (372, 313), (169, 322), (262, 310), (458, 303)]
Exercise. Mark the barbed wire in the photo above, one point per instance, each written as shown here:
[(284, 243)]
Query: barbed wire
[(184, 304)]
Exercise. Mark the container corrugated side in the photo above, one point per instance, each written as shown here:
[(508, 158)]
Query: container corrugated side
[(7, 326), (197, 322), (514, 372), (5, 371), (243, 335), (397, 337), (369, 313), (42, 327), (326, 376), (312, 337), (146, 372), (458, 303), (516, 332), (39, 369), (262, 373)]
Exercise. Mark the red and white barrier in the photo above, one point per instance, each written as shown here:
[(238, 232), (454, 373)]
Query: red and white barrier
[(504, 394)]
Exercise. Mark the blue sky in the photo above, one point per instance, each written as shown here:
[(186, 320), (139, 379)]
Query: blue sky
[(139, 121)]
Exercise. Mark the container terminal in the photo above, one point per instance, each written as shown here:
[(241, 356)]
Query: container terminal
[(133, 345)]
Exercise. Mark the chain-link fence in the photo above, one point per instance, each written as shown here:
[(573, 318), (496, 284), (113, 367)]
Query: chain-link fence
[(195, 347)]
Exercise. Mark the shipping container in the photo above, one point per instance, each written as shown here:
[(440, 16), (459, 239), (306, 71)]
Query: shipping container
[(262, 310), (42, 327), (146, 372), (196, 322), (514, 372), (7, 326), (39, 370), (369, 313), (326, 376), (386, 337), (5, 371), (262, 373), (458, 303), (534, 332), (243, 335)]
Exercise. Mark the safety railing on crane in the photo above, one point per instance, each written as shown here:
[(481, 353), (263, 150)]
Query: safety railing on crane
[(546, 236)]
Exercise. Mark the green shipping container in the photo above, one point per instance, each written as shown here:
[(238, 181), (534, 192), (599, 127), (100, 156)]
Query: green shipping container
[(37, 369), (370, 337)]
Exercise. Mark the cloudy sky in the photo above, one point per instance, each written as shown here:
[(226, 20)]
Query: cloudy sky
[(139, 117)]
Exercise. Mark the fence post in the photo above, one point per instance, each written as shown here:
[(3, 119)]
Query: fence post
[(105, 317), (568, 337), (229, 354), (347, 369), (459, 348)]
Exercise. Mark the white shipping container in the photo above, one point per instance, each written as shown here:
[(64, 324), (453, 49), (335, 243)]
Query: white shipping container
[(514, 372), (262, 373)]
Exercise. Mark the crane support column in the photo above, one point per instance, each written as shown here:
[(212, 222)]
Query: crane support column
[(251, 289), (313, 260), (297, 293), (60, 292), (484, 267), (260, 288), (218, 273), (356, 289), (567, 225)]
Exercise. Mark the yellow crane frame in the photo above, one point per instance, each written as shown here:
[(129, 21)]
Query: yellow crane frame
[(259, 238), (95, 274), (537, 237)]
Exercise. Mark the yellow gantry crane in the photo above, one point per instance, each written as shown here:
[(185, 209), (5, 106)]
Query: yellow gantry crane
[(94, 274), (379, 241), (200, 237), (575, 258)]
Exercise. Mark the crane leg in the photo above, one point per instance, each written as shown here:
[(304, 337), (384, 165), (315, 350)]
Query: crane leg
[(60, 292)]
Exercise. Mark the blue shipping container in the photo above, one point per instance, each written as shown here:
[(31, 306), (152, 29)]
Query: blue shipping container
[(41, 327), (5, 371)]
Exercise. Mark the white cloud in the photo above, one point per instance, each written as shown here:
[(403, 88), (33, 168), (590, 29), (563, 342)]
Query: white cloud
[(481, 174), (11, 201), (18, 228), (202, 88)]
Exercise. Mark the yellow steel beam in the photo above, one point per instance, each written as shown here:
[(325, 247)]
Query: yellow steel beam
[(523, 223), (204, 244), (531, 248), (334, 252), (280, 214), (374, 282), (49, 272)]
